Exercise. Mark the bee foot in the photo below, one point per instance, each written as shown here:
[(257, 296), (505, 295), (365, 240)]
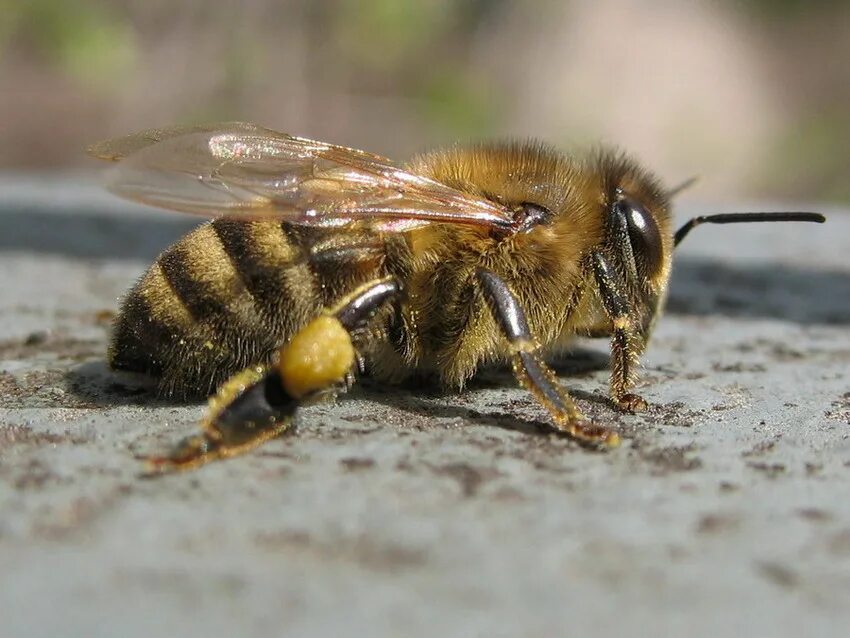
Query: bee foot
[(589, 432), (189, 453), (632, 403)]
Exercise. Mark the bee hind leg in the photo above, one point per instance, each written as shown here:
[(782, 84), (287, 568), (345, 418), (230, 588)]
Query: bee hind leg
[(249, 409), (260, 402), (531, 370), (625, 343)]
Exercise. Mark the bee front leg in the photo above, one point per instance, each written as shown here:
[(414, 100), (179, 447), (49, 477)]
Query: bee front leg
[(531, 370), (625, 344), (259, 403)]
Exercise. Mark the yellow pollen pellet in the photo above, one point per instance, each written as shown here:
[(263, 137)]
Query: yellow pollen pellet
[(319, 355)]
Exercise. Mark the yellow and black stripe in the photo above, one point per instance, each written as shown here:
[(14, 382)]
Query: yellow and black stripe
[(229, 293)]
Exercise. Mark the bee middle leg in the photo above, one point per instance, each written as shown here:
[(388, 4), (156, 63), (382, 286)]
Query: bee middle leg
[(531, 370), (625, 344)]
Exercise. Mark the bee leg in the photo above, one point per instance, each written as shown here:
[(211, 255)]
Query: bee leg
[(625, 344), (259, 403), (531, 370), (249, 409)]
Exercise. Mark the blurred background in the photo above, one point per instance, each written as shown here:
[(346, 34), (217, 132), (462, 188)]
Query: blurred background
[(752, 96)]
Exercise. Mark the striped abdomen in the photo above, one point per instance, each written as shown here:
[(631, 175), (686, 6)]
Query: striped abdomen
[(229, 293)]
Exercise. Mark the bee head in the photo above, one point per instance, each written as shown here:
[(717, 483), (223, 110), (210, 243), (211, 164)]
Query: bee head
[(634, 229), (637, 234)]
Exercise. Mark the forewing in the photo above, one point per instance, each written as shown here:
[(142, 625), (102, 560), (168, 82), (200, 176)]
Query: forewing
[(243, 169), (118, 148)]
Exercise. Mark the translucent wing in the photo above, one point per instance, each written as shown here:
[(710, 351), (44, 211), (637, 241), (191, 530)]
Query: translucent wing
[(246, 170)]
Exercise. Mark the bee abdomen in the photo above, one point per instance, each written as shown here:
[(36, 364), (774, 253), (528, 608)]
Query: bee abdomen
[(273, 268), (227, 295), (222, 298)]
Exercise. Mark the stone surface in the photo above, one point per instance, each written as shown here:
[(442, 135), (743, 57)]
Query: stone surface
[(400, 511)]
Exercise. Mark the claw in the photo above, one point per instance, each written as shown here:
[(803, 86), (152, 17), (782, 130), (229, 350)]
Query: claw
[(191, 452), (590, 433), (632, 403)]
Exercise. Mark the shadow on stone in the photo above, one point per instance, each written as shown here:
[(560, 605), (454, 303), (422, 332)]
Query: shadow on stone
[(96, 383), (430, 403), (755, 291), (699, 286), (79, 233)]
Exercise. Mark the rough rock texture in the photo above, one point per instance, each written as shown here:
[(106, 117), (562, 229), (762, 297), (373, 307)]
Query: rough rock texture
[(399, 511)]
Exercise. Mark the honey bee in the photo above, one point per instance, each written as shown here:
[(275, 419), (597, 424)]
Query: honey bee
[(325, 260)]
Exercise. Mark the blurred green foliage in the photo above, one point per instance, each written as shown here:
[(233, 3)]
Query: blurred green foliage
[(418, 45), (416, 59), (88, 40), (812, 156), (383, 34), (786, 9), (459, 107)]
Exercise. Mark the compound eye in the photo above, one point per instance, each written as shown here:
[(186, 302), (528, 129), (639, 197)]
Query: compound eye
[(643, 235)]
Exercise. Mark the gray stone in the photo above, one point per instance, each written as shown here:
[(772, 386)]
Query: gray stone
[(407, 512)]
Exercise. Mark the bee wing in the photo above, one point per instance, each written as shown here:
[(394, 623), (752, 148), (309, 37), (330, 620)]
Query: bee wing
[(241, 169)]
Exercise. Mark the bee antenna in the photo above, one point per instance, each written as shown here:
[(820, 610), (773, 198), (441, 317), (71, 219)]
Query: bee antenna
[(673, 192), (734, 218)]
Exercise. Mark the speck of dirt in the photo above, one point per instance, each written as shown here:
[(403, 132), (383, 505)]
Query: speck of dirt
[(469, 478), (745, 347), (58, 523), (738, 367), (354, 464), (39, 388), (782, 351), (487, 443), (717, 522), (778, 574), (813, 469), (104, 317), (404, 465), (720, 407), (814, 514), (672, 459), (11, 435), (674, 414), (77, 514), (36, 338), (321, 431), (761, 448), (726, 487), (508, 494), (35, 475), (363, 550), (839, 543), (772, 470), (9, 388), (60, 346), (841, 411)]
